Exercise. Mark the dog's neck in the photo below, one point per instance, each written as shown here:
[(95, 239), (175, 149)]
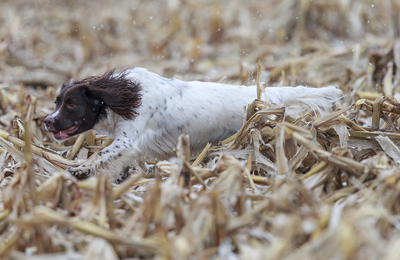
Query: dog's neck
[(107, 125)]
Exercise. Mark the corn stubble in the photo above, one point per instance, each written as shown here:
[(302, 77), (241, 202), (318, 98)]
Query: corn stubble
[(286, 186)]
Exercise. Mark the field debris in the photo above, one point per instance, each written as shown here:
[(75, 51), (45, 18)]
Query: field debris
[(287, 185)]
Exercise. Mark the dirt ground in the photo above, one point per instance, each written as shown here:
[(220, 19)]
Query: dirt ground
[(313, 188)]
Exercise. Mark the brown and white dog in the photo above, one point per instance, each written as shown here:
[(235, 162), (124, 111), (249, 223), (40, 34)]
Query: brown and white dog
[(145, 114)]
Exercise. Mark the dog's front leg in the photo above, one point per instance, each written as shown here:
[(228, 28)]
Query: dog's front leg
[(110, 161)]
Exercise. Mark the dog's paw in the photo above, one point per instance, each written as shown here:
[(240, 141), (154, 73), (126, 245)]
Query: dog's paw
[(81, 172)]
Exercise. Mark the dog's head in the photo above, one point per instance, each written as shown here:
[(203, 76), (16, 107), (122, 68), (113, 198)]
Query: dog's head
[(82, 104)]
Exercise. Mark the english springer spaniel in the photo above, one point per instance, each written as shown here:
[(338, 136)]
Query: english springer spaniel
[(145, 114)]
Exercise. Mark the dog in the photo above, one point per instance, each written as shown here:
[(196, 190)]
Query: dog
[(146, 113)]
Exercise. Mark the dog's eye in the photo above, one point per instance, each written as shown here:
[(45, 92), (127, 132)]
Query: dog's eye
[(55, 102), (71, 105)]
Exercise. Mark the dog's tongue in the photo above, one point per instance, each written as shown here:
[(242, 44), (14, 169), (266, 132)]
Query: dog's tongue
[(65, 134)]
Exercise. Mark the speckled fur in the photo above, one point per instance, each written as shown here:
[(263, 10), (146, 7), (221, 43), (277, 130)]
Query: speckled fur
[(208, 112)]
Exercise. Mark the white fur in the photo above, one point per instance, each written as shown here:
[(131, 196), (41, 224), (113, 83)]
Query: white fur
[(51, 117), (208, 112)]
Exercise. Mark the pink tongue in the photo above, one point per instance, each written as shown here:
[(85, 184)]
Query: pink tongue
[(65, 134), (59, 135)]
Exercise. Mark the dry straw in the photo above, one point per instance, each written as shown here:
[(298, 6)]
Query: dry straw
[(286, 186)]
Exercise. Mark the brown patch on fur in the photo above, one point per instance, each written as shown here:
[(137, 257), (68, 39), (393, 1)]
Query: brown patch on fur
[(117, 92)]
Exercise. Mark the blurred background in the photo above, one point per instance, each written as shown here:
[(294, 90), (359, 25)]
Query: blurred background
[(43, 42), (349, 44)]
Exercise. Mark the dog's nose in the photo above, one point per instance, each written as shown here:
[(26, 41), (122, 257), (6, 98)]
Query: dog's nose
[(48, 121)]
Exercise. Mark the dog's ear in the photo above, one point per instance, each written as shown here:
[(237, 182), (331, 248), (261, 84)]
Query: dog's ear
[(93, 97), (116, 92)]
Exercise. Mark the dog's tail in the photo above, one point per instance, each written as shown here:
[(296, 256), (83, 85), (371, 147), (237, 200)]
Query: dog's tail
[(318, 99)]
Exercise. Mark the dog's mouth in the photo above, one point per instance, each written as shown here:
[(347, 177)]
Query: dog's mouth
[(61, 135)]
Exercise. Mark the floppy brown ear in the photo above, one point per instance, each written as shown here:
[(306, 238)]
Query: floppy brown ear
[(116, 91)]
